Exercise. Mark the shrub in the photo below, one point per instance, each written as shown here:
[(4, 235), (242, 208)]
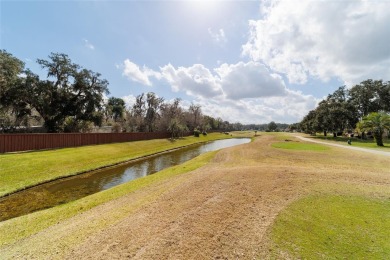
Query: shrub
[(196, 133)]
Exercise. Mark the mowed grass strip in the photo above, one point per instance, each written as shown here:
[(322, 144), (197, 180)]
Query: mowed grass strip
[(291, 145), (334, 227), (347, 223), (369, 143), (21, 170), (15, 229)]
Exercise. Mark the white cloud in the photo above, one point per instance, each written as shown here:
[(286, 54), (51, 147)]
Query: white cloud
[(288, 109), (129, 100), (241, 92), (196, 80), (343, 39), (249, 80), (141, 75), (231, 81), (218, 37), (88, 44)]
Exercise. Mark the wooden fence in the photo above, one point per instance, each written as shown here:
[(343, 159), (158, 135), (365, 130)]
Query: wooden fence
[(28, 142)]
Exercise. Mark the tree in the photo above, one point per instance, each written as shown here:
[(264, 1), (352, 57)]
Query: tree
[(116, 107), (376, 123), (237, 126), (336, 113), (12, 110), (323, 118), (384, 97), (309, 123), (226, 126), (152, 112), (212, 123), (294, 127), (195, 113), (10, 69), (68, 99), (172, 118), (138, 114), (272, 126), (365, 98), (175, 128)]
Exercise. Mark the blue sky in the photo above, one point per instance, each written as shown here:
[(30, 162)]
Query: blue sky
[(243, 61)]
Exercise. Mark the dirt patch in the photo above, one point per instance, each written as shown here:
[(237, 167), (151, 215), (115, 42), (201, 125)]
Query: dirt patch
[(223, 210)]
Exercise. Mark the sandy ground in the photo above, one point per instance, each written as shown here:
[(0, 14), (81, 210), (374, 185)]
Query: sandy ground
[(221, 211)]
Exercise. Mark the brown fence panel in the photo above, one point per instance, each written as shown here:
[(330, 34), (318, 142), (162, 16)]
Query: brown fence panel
[(28, 142)]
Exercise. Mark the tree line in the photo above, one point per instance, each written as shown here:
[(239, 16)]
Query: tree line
[(347, 110), (150, 113), (71, 99)]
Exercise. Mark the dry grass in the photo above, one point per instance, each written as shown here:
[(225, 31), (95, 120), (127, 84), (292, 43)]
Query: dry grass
[(225, 209)]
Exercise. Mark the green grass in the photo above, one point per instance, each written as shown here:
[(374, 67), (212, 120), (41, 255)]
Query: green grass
[(18, 228), (300, 146), (21, 170), (334, 227), (370, 143)]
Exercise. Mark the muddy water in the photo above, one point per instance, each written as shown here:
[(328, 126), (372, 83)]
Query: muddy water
[(76, 187)]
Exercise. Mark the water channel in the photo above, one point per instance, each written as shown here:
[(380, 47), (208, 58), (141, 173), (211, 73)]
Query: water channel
[(69, 189)]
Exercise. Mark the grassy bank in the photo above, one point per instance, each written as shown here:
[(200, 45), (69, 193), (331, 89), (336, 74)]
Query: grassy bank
[(18, 228), (334, 227), (345, 215), (21, 170)]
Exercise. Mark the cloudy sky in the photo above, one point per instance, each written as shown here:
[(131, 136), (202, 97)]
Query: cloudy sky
[(243, 61)]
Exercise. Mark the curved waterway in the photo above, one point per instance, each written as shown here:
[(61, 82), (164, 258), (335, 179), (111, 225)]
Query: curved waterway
[(69, 189)]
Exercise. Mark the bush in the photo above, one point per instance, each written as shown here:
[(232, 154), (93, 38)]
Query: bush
[(196, 133), (204, 133)]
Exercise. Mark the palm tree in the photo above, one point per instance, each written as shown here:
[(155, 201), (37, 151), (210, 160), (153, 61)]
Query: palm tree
[(376, 123)]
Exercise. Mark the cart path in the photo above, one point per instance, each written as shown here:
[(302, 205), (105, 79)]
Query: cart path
[(344, 146)]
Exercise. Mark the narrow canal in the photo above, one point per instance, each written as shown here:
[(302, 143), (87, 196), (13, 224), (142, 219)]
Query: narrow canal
[(69, 189)]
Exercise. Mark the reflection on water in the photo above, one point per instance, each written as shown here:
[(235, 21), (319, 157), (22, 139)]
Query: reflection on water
[(73, 188)]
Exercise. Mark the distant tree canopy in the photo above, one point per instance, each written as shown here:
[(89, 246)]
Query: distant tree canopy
[(67, 100), (272, 126), (151, 113), (343, 109)]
